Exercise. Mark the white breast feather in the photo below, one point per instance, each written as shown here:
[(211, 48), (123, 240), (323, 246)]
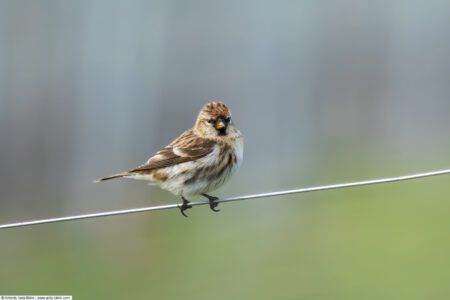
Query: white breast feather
[(178, 174)]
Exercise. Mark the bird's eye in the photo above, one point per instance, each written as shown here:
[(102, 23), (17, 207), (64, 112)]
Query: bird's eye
[(228, 119), (210, 121)]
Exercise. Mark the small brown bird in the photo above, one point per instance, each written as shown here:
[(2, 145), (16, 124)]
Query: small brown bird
[(200, 160)]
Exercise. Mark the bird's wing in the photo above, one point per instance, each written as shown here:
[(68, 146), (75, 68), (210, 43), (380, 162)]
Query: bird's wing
[(185, 148)]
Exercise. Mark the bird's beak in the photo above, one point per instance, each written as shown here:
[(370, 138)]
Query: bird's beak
[(220, 125)]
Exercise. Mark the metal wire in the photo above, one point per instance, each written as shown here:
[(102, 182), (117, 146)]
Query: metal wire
[(239, 198)]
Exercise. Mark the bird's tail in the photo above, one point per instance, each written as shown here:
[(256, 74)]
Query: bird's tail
[(111, 177)]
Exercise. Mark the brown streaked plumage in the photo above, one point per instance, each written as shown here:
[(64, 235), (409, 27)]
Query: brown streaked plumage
[(188, 147), (200, 160), (216, 108)]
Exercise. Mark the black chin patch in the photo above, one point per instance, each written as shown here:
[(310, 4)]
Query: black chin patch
[(222, 131)]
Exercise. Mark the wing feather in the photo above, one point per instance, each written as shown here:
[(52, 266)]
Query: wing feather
[(187, 147)]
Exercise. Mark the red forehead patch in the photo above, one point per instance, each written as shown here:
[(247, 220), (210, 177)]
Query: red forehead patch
[(216, 109)]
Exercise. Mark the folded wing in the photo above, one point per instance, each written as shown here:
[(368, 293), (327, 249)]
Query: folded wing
[(187, 147)]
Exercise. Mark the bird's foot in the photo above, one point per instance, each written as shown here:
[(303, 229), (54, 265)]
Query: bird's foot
[(185, 205), (212, 204)]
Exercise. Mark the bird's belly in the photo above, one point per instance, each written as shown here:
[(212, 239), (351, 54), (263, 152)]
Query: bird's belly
[(196, 177), (203, 175), (196, 180)]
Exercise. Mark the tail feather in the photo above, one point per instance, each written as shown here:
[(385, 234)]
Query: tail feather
[(111, 177)]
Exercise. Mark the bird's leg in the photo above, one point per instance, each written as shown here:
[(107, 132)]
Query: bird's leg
[(212, 204), (184, 206)]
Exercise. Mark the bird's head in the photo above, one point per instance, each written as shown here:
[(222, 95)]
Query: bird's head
[(214, 121)]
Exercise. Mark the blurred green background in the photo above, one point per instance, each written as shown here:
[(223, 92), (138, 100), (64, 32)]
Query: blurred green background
[(324, 92)]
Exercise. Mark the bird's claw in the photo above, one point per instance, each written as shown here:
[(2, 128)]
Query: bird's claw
[(185, 205), (212, 204)]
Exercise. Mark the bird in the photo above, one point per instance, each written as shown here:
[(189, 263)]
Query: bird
[(197, 162)]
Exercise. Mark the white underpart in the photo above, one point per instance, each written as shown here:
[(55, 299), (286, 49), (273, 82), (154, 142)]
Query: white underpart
[(239, 152), (178, 174)]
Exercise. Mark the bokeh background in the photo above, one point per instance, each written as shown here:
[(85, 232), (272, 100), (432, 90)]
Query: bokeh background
[(324, 92)]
